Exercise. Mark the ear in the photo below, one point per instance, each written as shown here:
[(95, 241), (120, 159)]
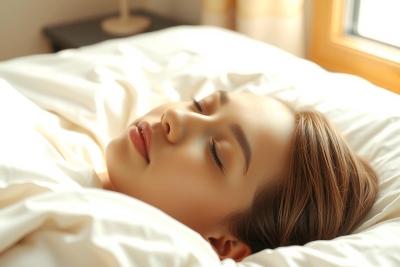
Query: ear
[(228, 246)]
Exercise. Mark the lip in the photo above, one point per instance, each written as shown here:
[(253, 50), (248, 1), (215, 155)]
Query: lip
[(141, 137)]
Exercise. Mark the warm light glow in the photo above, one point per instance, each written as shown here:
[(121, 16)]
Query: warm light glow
[(380, 20)]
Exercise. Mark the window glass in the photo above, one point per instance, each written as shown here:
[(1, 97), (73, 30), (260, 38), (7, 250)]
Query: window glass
[(379, 20)]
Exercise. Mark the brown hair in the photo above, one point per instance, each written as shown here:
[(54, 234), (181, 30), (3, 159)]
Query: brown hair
[(323, 194)]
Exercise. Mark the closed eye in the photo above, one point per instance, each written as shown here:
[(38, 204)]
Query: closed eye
[(214, 155), (198, 106)]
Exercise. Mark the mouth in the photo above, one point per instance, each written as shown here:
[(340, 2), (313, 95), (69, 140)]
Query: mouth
[(140, 137)]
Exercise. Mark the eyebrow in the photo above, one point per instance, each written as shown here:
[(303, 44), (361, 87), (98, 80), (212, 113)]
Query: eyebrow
[(237, 132), (244, 144)]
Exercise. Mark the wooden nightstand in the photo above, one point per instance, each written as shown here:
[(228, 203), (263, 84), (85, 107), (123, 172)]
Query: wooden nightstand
[(88, 32)]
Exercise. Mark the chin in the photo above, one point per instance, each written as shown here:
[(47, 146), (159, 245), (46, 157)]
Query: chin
[(120, 163)]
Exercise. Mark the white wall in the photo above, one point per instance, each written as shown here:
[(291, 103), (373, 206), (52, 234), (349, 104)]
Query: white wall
[(187, 11), (190, 11), (22, 21)]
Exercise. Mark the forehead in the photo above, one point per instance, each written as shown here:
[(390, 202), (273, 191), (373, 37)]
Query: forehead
[(264, 114), (268, 123)]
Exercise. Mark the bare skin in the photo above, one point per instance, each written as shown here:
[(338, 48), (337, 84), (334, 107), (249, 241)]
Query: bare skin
[(203, 160)]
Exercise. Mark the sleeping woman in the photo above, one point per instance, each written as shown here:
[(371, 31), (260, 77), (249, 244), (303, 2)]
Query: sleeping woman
[(246, 172)]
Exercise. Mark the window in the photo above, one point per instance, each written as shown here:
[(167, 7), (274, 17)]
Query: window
[(358, 37), (377, 20)]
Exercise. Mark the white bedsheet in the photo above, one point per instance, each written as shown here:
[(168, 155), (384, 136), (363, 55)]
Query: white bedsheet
[(59, 111)]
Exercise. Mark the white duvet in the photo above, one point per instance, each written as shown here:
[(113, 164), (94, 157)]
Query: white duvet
[(59, 111)]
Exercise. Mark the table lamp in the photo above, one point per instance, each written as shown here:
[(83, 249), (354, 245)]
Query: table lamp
[(125, 24)]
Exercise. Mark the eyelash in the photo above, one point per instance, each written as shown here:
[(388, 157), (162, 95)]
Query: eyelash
[(214, 154), (197, 104), (212, 146)]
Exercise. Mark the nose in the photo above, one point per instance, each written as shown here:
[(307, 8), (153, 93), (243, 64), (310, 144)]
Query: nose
[(174, 122)]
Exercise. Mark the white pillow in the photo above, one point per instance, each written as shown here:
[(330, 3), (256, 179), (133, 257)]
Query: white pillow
[(89, 90)]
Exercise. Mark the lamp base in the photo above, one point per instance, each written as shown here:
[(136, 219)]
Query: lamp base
[(124, 27)]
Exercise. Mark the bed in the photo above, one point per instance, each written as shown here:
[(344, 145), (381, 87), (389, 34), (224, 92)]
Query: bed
[(59, 111)]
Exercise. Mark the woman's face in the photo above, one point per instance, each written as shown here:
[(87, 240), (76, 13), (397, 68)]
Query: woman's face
[(199, 163)]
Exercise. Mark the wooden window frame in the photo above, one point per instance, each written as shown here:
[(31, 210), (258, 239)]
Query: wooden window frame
[(335, 51)]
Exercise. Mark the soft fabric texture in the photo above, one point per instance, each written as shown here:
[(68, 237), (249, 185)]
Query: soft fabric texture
[(59, 111)]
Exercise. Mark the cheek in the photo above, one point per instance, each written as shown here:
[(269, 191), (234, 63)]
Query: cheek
[(182, 160), (189, 197), (181, 173), (183, 187), (195, 197)]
